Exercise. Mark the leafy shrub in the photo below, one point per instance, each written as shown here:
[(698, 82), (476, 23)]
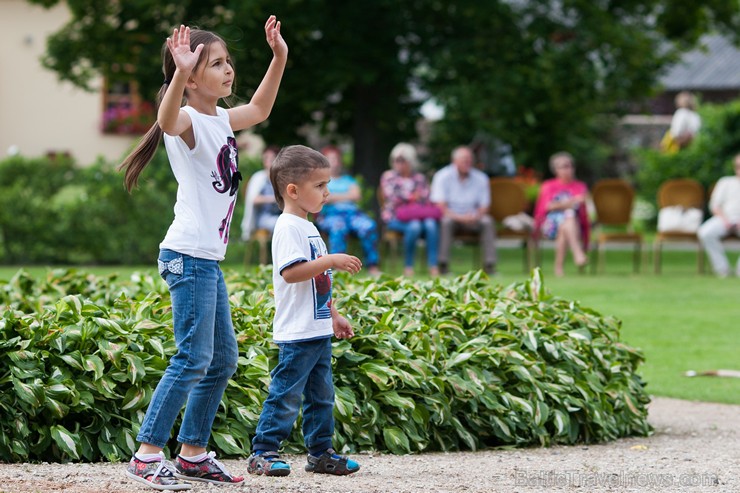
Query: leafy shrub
[(30, 221), (53, 212), (444, 365), (706, 160)]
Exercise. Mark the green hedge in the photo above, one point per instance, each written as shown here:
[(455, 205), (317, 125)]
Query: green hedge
[(55, 212), (447, 364)]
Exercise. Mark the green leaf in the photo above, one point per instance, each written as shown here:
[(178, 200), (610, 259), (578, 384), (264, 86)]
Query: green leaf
[(94, 364), (137, 369), (57, 409), (67, 441), (396, 440), (135, 398), (227, 443), (32, 394)]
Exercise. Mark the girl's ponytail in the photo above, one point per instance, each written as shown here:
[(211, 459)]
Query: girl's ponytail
[(143, 153)]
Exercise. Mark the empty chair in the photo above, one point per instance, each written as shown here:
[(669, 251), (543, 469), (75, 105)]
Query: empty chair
[(613, 199), (509, 200), (688, 194)]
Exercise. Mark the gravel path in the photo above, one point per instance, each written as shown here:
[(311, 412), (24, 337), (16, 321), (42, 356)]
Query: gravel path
[(695, 448)]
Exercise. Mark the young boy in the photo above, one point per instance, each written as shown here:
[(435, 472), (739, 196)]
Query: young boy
[(305, 320)]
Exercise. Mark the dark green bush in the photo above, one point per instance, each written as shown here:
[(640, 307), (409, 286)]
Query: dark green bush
[(707, 159), (444, 365), (54, 212), (30, 220)]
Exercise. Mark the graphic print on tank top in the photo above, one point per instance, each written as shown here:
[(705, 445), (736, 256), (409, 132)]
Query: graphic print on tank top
[(321, 283), (226, 180)]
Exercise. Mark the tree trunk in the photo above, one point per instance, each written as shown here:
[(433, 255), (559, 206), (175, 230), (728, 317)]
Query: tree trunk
[(371, 146)]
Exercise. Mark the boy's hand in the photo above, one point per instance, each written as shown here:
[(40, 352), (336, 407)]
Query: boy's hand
[(342, 328), (347, 263), (274, 38)]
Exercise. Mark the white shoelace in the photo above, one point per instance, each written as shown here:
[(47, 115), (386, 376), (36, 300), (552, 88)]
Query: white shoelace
[(166, 469), (212, 456)]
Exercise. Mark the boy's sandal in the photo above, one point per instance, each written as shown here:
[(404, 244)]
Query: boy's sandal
[(268, 464), (331, 463)]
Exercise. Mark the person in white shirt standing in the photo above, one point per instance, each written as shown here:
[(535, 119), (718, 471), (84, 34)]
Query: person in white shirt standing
[(725, 208), (305, 319), (686, 122)]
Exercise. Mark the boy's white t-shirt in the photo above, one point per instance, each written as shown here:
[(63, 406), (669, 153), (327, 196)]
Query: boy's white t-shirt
[(206, 192), (302, 309)]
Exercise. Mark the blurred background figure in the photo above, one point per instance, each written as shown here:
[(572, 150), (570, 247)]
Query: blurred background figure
[(464, 195), (724, 204), (260, 209), (406, 207), (342, 215), (685, 123), (560, 212)]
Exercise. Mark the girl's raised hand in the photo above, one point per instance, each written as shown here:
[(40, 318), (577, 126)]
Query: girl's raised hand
[(179, 45), (274, 38)]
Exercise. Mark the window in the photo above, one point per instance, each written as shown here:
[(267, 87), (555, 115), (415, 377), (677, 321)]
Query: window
[(123, 110)]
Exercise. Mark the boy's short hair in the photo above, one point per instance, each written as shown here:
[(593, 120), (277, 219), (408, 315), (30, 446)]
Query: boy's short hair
[(294, 164)]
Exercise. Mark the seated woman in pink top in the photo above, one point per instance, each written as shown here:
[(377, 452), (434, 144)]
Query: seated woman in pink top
[(560, 212)]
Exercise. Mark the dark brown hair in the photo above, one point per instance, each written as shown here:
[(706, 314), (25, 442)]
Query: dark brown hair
[(294, 164), (135, 162)]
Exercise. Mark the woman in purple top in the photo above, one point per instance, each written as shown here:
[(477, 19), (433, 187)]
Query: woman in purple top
[(402, 185), (560, 212)]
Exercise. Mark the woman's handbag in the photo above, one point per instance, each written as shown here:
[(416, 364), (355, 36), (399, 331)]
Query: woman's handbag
[(414, 210)]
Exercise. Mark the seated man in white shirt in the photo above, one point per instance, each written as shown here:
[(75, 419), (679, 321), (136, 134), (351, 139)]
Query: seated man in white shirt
[(725, 208), (464, 195)]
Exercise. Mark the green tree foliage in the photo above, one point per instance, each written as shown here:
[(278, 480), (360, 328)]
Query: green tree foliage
[(539, 74), (545, 75), (448, 364)]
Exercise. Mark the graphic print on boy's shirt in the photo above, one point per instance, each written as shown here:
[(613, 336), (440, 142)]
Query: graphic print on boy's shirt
[(321, 282), (226, 179)]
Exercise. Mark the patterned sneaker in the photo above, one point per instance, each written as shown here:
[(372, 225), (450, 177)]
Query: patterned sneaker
[(331, 463), (159, 474), (209, 470), (267, 463)]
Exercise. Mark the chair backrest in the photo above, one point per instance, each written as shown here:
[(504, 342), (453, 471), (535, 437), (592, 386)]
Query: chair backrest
[(508, 198), (380, 197), (613, 200), (685, 192)]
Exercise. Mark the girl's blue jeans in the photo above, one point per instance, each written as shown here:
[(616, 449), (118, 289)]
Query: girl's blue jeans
[(412, 231), (302, 376), (206, 352)]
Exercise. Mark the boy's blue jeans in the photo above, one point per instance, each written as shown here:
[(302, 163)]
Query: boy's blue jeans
[(206, 352), (303, 370)]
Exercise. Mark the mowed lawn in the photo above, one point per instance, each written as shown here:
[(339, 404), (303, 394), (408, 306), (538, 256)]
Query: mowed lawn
[(680, 320)]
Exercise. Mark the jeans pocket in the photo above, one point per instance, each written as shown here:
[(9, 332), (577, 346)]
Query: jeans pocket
[(170, 267)]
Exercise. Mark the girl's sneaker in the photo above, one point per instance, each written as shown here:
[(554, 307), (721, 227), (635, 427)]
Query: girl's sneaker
[(158, 474), (331, 463), (268, 464), (209, 470)]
